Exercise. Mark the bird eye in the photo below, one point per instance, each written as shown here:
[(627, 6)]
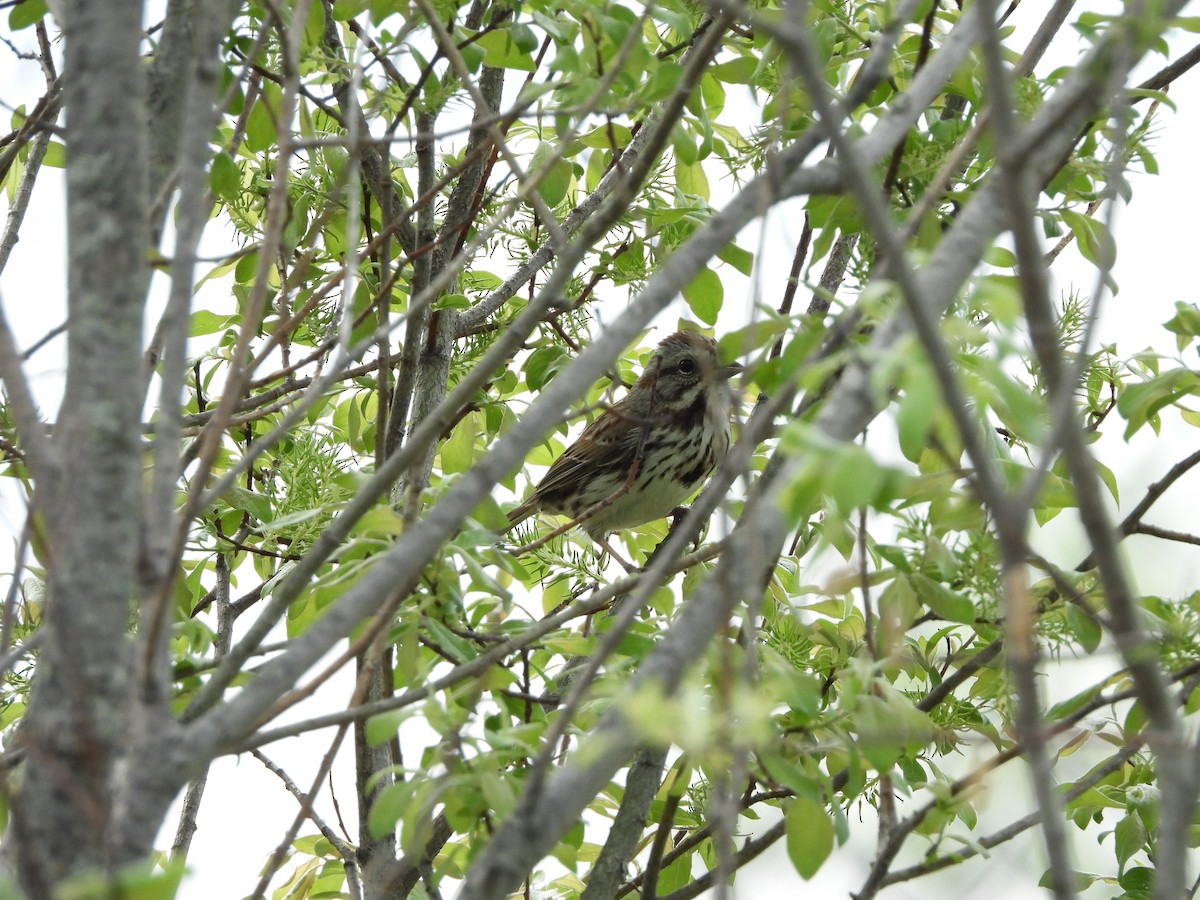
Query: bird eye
[(687, 366)]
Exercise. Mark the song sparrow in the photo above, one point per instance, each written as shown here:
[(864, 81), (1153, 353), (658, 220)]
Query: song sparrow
[(650, 451)]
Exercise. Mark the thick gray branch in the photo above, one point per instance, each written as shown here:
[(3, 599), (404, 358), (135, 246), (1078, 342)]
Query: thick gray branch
[(608, 873), (77, 715)]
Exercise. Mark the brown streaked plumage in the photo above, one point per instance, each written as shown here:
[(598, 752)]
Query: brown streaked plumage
[(673, 424)]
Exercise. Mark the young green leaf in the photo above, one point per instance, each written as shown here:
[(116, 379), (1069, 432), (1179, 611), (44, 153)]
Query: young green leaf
[(810, 834)]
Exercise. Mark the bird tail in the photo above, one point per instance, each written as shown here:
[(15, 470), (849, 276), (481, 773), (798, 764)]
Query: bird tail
[(519, 514)]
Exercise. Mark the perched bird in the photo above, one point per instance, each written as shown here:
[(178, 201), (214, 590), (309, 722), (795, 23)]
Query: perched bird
[(649, 452)]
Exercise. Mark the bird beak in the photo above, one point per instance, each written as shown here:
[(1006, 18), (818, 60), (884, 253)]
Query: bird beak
[(724, 373)]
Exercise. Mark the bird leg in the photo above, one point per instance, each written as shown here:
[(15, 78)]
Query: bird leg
[(629, 568)]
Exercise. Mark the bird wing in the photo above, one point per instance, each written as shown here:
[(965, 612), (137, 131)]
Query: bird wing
[(609, 444)]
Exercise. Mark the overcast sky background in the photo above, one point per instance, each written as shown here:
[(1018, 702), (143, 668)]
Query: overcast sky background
[(246, 809)]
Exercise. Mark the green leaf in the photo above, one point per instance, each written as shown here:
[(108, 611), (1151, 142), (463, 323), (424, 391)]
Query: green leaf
[(138, 881), (712, 92), (889, 727), (556, 181), (736, 71), (750, 337), (1138, 883), (260, 124), (803, 495), (1186, 319), (784, 770), (257, 505), (942, 600), (677, 875), (855, 479), (225, 178), (457, 646), (344, 10), (390, 804), (452, 301), (742, 260), (293, 518), (507, 49), (473, 55), (1095, 242), (246, 268), (1185, 323), (555, 595), (898, 607), (1001, 258), (314, 25), (1084, 628), (27, 13), (458, 450), (1081, 881), (662, 83), (56, 155), (999, 296), (611, 136), (542, 364), (809, 835), (205, 322), (384, 726), (1072, 705), (1130, 836), (691, 179), (498, 792), (1139, 403), (1109, 478), (1020, 409), (803, 694), (705, 295)]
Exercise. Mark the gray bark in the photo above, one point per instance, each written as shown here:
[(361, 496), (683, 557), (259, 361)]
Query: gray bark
[(103, 758), (77, 715), (630, 821)]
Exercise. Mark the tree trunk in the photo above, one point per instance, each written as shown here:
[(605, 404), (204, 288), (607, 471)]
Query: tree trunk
[(77, 716)]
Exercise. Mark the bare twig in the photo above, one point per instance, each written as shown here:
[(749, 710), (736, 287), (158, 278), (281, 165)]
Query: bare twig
[(39, 455)]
